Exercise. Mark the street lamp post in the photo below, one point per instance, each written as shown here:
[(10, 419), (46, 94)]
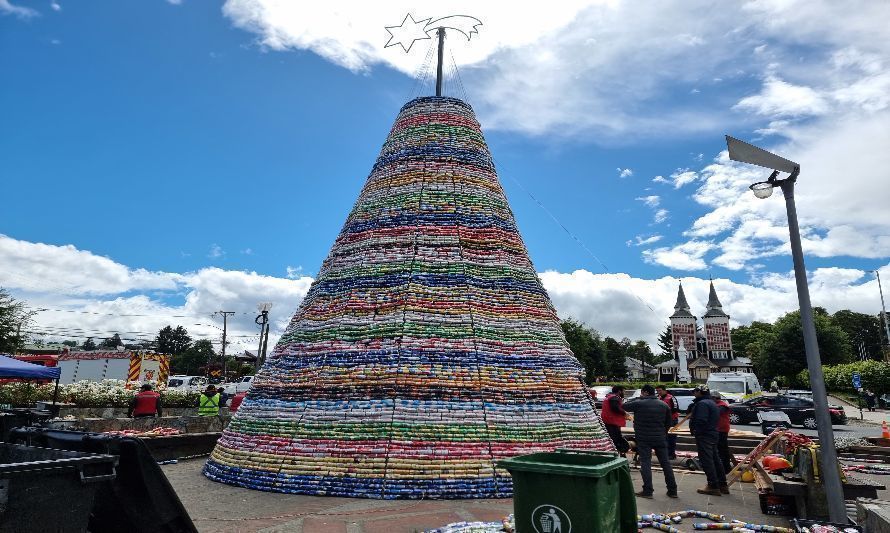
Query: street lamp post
[(883, 309), (747, 153)]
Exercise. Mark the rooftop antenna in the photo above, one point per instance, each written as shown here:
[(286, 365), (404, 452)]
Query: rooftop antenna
[(410, 30)]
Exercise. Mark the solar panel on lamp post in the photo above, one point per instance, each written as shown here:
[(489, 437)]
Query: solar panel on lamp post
[(748, 153)]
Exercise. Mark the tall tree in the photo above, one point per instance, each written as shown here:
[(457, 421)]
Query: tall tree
[(14, 321), (586, 344), (112, 342), (751, 341), (666, 344), (641, 351), (70, 344), (192, 359), (173, 341), (783, 353), (616, 358), (89, 344), (863, 330)]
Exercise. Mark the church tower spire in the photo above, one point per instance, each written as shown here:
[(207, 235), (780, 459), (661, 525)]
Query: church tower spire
[(683, 326), (717, 328)]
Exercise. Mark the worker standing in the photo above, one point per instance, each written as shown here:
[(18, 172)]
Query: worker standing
[(674, 406), (723, 432), (703, 426), (615, 417), (652, 420), (146, 403), (208, 403)]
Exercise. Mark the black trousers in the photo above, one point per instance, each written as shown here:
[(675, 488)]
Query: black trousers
[(617, 438), (723, 451), (644, 450), (710, 463)]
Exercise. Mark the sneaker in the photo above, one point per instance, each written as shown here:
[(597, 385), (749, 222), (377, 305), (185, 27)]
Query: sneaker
[(710, 491), (724, 489), (644, 494), (672, 494)]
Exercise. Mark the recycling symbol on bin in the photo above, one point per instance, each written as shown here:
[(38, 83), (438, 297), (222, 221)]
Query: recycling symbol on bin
[(551, 519)]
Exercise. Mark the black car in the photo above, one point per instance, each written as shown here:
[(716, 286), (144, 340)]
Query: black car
[(799, 410)]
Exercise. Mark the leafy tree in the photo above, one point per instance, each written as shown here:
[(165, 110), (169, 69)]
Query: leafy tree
[(751, 341), (173, 341), (71, 344), (586, 344), (616, 358), (666, 344), (862, 329), (641, 351), (193, 358), (14, 321), (89, 344), (112, 342), (783, 354)]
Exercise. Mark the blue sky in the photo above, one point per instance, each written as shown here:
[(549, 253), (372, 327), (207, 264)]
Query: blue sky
[(173, 142)]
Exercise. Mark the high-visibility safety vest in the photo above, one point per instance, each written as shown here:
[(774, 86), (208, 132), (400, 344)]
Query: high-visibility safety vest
[(208, 405), (146, 403), (609, 415)]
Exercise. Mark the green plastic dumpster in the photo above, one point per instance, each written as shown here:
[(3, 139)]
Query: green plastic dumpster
[(560, 492)]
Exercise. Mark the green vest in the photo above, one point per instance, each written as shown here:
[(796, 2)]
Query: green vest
[(208, 406)]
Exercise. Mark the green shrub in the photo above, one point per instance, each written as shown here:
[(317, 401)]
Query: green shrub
[(108, 393), (875, 376)]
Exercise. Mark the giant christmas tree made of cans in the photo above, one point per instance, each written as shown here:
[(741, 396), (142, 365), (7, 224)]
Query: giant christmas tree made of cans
[(425, 350)]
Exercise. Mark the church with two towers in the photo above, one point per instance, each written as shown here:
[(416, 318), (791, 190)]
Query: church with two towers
[(707, 349)]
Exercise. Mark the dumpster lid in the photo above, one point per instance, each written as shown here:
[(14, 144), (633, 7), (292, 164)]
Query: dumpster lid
[(575, 464)]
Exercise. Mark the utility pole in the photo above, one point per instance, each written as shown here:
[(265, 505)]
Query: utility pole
[(225, 315), (263, 321), (883, 309), (441, 34)]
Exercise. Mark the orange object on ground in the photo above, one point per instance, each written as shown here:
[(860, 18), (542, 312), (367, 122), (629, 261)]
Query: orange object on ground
[(885, 431)]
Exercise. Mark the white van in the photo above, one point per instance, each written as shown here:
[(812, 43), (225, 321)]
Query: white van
[(734, 386), (187, 383)]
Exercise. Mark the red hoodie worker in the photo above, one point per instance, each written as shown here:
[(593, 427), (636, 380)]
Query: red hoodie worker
[(146, 403), (723, 432), (615, 417)]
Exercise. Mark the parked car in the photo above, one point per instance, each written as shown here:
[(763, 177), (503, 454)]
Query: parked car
[(241, 385), (187, 383), (684, 398), (800, 393), (599, 393), (799, 410)]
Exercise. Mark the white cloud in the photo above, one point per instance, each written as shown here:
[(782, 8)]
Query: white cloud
[(247, 251), (7, 8), (680, 177), (216, 251), (686, 256), (639, 240), (660, 216), (174, 2), (651, 201), (55, 6), (624, 172), (294, 272), (781, 99)]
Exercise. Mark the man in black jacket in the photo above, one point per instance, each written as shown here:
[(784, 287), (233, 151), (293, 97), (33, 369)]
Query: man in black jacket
[(703, 426), (652, 420)]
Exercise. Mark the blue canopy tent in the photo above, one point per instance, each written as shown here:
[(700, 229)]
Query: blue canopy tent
[(13, 368)]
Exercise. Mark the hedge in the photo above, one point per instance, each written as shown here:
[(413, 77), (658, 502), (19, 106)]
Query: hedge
[(108, 393), (875, 376)]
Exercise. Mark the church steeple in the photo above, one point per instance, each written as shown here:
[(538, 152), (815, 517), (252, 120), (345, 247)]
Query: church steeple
[(681, 308), (715, 308)]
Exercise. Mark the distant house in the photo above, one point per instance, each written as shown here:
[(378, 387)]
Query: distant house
[(708, 351), (636, 370)]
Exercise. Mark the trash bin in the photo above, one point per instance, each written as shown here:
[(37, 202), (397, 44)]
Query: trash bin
[(49, 490), (560, 492), (773, 420), (139, 500)]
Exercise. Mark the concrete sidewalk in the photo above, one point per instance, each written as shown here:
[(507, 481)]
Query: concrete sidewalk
[(852, 411), (216, 507)]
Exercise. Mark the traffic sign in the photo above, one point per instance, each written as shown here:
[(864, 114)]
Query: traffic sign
[(857, 380)]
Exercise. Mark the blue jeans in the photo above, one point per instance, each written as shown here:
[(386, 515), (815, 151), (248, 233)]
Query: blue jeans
[(644, 450)]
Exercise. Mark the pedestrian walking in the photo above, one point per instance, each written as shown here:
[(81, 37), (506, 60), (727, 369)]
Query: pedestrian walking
[(870, 400), (674, 406), (723, 432), (146, 403), (208, 403), (615, 417), (652, 420), (703, 426)]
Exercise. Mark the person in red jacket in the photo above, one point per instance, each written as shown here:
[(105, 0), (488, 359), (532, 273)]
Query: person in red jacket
[(674, 406), (723, 432), (615, 417), (236, 401), (146, 403)]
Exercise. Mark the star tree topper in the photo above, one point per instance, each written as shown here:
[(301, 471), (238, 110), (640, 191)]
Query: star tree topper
[(411, 30)]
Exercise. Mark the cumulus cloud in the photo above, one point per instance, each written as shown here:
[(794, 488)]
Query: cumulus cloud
[(779, 98), (55, 6), (216, 251), (624, 172), (8, 8), (686, 256), (640, 240)]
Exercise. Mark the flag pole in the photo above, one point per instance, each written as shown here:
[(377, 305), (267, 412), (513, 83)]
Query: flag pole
[(441, 33)]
